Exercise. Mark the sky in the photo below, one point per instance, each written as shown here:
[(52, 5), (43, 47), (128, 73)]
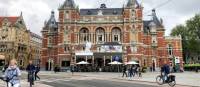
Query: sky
[(35, 12)]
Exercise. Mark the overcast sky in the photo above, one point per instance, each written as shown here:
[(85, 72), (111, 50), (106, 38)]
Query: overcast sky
[(35, 12)]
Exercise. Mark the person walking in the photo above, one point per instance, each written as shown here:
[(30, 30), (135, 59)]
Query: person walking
[(72, 69), (124, 71), (31, 70), (130, 71), (4, 68), (12, 74), (37, 71)]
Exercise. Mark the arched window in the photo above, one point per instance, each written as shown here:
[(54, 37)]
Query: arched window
[(84, 35), (100, 34), (170, 49), (116, 34), (50, 41)]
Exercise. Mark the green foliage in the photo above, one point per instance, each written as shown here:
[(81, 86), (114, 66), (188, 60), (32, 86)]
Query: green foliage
[(192, 65), (190, 35)]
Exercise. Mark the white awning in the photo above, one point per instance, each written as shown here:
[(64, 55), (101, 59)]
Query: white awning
[(84, 53), (2, 57)]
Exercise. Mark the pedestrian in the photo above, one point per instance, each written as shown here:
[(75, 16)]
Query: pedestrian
[(31, 70), (56, 68), (124, 71), (140, 71), (72, 69), (12, 74), (130, 71), (37, 71), (4, 68)]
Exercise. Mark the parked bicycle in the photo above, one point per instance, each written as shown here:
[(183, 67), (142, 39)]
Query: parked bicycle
[(171, 80)]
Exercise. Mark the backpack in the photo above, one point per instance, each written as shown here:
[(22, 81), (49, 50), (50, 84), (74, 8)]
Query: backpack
[(7, 79)]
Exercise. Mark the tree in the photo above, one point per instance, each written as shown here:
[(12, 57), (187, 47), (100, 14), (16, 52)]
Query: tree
[(190, 36)]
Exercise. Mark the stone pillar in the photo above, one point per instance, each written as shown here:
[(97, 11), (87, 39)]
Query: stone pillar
[(75, 59), (111, 58), (104, 60), (86, 58), (92, 60)]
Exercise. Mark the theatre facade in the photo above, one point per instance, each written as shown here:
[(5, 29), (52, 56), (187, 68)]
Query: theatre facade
[(101, 35)]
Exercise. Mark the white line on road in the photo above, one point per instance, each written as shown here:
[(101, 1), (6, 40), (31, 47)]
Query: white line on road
[(48, 80)]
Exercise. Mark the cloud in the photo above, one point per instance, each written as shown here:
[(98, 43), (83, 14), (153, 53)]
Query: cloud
[(35, 12)]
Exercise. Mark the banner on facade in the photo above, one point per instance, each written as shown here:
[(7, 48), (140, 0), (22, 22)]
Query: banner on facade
[(111, 48), (177, 60), (84, 53)]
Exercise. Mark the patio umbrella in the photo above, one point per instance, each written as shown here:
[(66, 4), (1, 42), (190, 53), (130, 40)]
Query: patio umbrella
[(132, 63), (115, 63), (82, 63)]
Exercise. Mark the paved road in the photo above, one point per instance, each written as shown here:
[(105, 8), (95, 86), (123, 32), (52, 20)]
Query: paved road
[(93, 83)]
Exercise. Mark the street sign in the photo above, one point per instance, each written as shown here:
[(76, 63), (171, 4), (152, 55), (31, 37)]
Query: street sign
[(177, 60)]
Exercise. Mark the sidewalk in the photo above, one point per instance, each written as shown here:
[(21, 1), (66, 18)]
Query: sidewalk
[(186, 78)]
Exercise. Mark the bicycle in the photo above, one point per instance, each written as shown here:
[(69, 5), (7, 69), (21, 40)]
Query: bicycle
[(31, 78), (171, 80)]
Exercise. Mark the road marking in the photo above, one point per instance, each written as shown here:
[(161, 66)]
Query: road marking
[(53, 80)]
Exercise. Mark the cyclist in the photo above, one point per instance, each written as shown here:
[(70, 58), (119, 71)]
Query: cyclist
[(31, 70), (165, 70), (12, 74)]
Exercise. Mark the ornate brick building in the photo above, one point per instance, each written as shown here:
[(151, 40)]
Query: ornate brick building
[(14, 40), (101, 35)]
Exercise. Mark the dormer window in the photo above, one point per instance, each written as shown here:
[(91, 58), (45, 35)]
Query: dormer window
[(115, 12), (89, 12)]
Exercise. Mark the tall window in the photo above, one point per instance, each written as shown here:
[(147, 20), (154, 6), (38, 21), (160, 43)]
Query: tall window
[(84, 35), (50, 40), (170, 49), (116, 34), (66, 15), (100, 34)]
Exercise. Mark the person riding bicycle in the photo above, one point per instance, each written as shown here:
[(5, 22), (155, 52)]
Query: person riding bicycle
[(12, 74), (31, 70), (165, 70)]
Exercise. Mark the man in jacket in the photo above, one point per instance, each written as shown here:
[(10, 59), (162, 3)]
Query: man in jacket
[(31, 70)]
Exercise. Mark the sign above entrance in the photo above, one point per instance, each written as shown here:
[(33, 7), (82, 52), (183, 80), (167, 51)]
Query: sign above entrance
[(84, 53), (111, 48)]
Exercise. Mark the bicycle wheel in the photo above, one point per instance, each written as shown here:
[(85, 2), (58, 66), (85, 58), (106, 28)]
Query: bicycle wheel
[(159, 80), (172, 83)]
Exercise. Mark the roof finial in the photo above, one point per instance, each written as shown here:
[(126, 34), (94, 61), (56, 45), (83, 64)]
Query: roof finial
[(103, 5), (21, 14)]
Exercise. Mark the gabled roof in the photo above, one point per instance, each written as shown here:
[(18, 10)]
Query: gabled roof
[(13, 19), (51, 23), (134, 3), (154, 21), (68, 4), (155, 18)]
